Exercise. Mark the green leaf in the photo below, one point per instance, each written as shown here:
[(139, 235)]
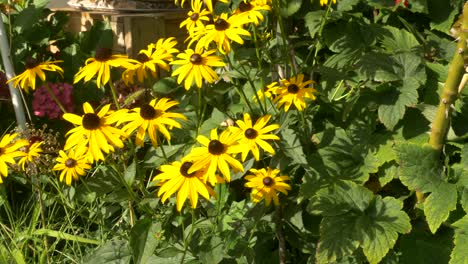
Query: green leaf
[(442, 15), (419, 166), (62, 235), (313, 20), (143, 240), (41, 3), (349, 35), (129, 174), (213, 252), (112, 252), (419, 6), (165, 85), (346, 5), (380, 226), (397, 39), (292, 147), (439, 204), (464, 156), (460, 254), (464, 199), (289, 7)]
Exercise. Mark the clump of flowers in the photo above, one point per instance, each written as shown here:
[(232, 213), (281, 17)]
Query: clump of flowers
[(266, 184), (45, 106)]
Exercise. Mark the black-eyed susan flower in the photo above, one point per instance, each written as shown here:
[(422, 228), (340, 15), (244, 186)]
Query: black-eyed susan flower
[(267, 92), (216, 153), (9, 150), (146, 63), (72, 164), (253, 136), (325, 2), (294, 91), (164, 48), (195, 66), (196, 17), (176, 178), (151, 118), (251, 10), (101, 64), (224, 30), (266, 184), (34, 68), (30, 152), (95, 130)]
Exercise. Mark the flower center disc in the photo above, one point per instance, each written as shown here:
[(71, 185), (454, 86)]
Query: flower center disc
[(184, 169), (196, 59), (221, 24), (148, 112), (292, 88), (31, 62), (216, 147), (2, 151), (70, 163), (91, 121), (244, 7), (141, 57), (267, 181), (250, 133), (194, 16), (103, 54)]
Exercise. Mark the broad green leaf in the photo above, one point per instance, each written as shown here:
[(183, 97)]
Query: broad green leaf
[(464, 199), (289, 7), (313, 20), (346, 5), (143, 240), (292, 147), (419, 6), (129, 174), (350, 35), (112, 252), (397, 39), (165, 85), (419, 167), (460, 253), (439, 204), (213, 251), (442, 15), (378, 229), (464, 156), (40, 3)]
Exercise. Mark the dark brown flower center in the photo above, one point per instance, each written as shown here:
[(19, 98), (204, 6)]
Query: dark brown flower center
[(141, 57), (148, 112), (31, 62), (184, 169), (70, 163), (196, 59), (2, 151), (91, 121), (221, 24), (244, 7), (103, 54), (34, 139), (216, 147), (268, 181), (292, 88), (250, 133), (194, 16)]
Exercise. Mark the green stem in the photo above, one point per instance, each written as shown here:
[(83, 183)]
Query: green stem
[(441, 122), (114, 94), (187, 240), (280, 235), (239, 89), (252, 85), (54, 97), (322, 25), (285, 45)]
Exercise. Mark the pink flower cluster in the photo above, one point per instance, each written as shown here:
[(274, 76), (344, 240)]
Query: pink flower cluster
[(44, 105)]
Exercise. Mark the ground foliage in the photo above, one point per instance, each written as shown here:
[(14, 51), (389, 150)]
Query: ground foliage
[(356, 156)]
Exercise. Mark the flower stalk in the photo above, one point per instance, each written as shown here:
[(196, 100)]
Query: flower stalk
[(440, 124)]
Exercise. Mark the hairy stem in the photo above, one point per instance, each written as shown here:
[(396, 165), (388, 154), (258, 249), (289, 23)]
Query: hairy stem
[(449, 95)]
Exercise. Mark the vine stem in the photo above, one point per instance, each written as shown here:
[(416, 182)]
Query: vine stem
[(114, 94), (280, 235), (441, 122)]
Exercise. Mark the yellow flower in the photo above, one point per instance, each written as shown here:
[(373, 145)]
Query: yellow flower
[(294, 91), (9, 150), (325, 2), (31, 152), (196, 16), (96, 131), (253, 136), (265, 184), (33, 67), (196, 67), (209, 3), (224, 30), (164, 49), (216, 153), (267, 92), (72, 164), (101, 64), (250, 9), (146, 62), (176, 178), (150, 118)]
